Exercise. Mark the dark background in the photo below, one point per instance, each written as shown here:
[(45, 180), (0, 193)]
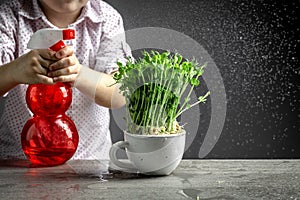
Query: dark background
[(254, 45)]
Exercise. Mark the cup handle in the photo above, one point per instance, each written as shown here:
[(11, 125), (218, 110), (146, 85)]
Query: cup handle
[(113, 156)]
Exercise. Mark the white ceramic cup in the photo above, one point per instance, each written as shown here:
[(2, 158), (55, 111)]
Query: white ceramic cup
[(150, 154)]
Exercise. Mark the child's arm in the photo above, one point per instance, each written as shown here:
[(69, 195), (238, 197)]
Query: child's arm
[(100, 87)]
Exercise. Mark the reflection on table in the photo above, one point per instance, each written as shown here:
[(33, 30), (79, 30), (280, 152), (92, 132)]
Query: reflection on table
[(193, 179)]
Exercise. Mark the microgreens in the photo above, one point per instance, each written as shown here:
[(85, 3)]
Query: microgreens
[(153, 86)]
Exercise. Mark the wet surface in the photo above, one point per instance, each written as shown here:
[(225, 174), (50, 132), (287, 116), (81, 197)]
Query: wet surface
[(193, 179)]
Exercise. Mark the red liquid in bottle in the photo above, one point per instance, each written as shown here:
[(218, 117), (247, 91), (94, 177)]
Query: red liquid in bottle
[(50, 137), (49, 99)]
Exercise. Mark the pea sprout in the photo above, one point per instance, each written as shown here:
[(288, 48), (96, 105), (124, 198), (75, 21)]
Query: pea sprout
[(153, 86)]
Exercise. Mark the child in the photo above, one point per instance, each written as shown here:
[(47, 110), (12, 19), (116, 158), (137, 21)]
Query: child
[(88, 65)]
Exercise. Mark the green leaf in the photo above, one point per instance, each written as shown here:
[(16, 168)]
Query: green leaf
[(120, 64), (195, 82), (179, 58), (203, 99)]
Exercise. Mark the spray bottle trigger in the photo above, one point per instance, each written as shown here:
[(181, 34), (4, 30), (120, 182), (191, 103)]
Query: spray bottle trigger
[(58, 46)]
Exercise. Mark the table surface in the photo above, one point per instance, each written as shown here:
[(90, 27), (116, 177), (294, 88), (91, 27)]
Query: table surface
[(193, 179)]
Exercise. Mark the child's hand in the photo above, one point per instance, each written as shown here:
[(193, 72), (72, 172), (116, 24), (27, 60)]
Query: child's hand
[(32, 68), (67, 68)]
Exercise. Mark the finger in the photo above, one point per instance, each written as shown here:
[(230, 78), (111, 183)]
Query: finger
[(45, 63), (47, 54), (64, 71), (40, 70), (43, 57), (63, 63), (69, 78), (44, 79), (64, 52), (36, 65)]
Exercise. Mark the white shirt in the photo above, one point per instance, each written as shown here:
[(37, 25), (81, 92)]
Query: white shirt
[(95, 46)]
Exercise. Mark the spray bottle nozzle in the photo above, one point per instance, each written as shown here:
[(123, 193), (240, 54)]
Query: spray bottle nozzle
[(68, 34), (55, 39)]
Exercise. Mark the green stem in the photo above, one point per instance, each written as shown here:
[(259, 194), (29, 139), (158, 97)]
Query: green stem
[(158, 101), (186, 100), (166, 88), (203, 100)]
